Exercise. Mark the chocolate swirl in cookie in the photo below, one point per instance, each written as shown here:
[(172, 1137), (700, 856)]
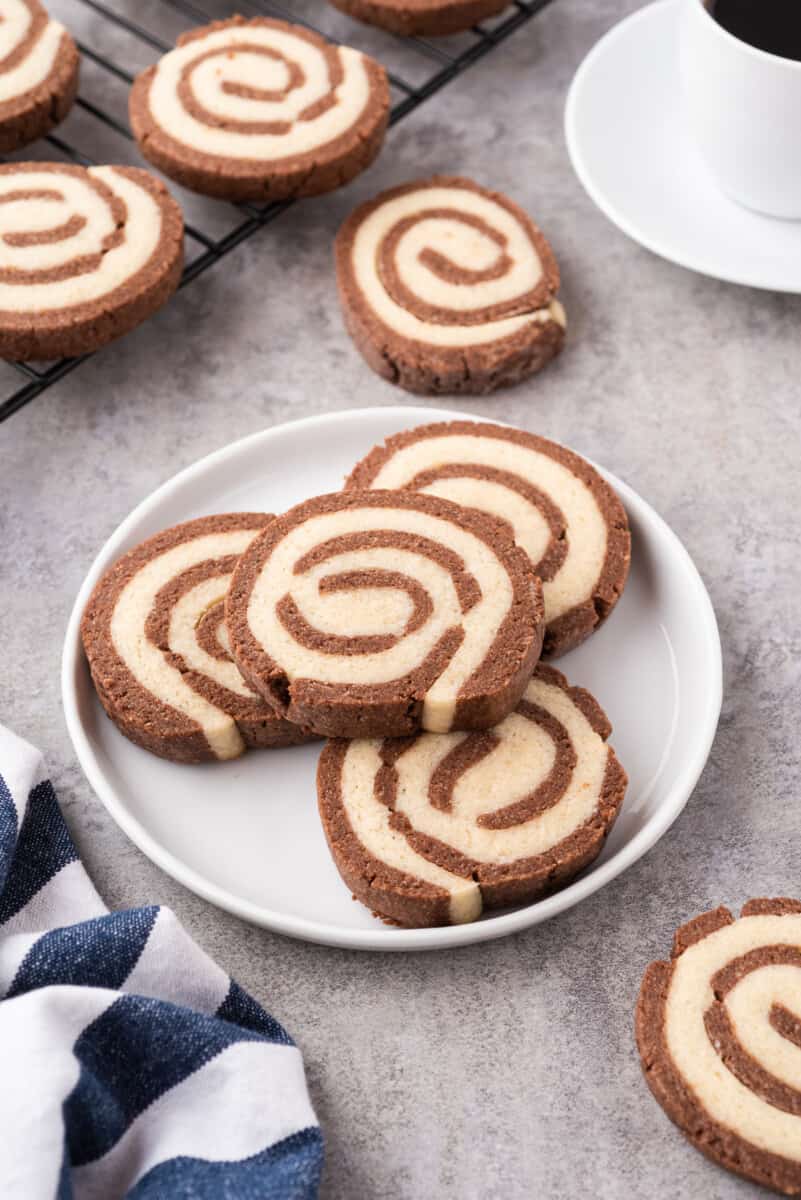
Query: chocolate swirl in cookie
[(430, 830), (719, 1033), (39, 65), (385, 612), (85, 255), (260, 110), (563, 514), (447, 287), (159, 653)]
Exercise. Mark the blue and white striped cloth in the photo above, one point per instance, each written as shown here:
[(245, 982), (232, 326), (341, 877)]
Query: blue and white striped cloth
[(130, 1064)]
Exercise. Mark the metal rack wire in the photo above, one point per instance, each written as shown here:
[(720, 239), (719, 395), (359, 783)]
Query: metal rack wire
[(424, 68)]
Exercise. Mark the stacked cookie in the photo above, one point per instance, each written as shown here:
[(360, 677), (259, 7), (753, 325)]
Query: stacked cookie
[(159, 652), (403, 619)]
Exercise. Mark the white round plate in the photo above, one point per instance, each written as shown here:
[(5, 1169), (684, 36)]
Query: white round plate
[(632, 153), (246, 835)]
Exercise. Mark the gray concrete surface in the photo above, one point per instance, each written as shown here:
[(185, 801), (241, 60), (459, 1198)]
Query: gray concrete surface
[(506, 1070)]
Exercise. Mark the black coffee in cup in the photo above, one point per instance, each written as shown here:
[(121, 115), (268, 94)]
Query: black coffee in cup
[(771, 25)]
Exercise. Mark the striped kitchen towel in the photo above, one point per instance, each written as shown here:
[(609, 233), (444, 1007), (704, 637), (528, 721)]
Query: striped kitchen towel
[(130, 1064)]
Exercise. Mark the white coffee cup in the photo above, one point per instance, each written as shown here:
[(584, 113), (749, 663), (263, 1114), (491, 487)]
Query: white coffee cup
[(744, 109)]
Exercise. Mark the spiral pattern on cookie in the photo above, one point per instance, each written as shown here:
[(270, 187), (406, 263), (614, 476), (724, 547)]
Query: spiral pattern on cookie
[(244, 96), (386, 612), (448, 266), (29, 44), (430, 830), (563, 514), (719, 1030), (84, 254), (158, 648), (38, 72)]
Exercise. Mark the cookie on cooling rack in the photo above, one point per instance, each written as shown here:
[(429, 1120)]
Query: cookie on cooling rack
[(260, 110), (447, 287), (39, 65), (422, 18), (430, 830), (158, 649), (719, 1033), (85, 255), (563, 514), (380, 613)]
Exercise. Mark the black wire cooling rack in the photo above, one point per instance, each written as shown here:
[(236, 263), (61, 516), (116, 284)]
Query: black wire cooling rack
[(115, 46)]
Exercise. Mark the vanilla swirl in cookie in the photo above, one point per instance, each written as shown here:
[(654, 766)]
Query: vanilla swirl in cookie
[(29, 46), (429, 830), (159, 652), (447, 266), (385, 611), (70, 236), (39, 68), (719, 1029), (84, 255), (562, 513), (244, 97)]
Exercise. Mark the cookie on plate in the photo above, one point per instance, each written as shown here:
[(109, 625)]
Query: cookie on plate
[(719, 1033), (447, 287), (381, 613), (85, 255), (39, 65), (158, 649), (422, 18), (563, 514), (260, 110), (430, 830)]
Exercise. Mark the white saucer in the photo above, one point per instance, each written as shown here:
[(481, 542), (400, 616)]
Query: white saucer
[(630, 149), (246, 835)]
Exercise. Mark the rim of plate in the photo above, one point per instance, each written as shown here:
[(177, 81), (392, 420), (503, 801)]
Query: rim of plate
[(365, 939), (609, 209)]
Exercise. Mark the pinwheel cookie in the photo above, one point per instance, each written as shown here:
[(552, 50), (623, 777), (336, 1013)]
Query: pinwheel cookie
[(85, 255), (39, 65), (719, 1033), (260, 110), (422, 18), (158, 649), (380, 613), (432, 829), (447, 287), (563, 514)]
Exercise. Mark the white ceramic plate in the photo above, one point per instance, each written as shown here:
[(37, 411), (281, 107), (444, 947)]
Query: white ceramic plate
[(245, 834), (630, 149)]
